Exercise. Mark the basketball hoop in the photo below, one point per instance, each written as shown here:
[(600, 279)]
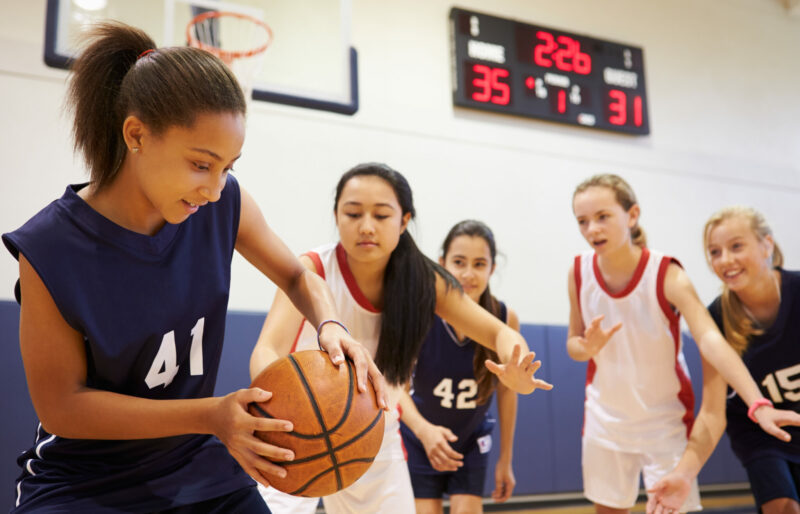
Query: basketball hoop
[(238, 39)]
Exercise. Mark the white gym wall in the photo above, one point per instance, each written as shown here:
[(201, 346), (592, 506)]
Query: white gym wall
[(723, 86)]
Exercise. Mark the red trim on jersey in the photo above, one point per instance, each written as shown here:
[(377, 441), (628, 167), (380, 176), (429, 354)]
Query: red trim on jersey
[(297, 337), (576, 270), (685, 393), (349, 279), (314, 256), (591, 368), (402, 445), (637, 275)]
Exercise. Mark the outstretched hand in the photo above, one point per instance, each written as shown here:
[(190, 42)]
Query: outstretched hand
[(595, 338), (668, 494), (770, 420), (335, 340), (518, 373)]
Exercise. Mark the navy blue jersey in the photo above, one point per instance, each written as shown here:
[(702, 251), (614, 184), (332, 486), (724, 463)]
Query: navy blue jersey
[(152, 314), (773, 359), (445, 391)]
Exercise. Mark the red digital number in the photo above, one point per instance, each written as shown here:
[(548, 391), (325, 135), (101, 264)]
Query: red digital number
[(582, 63), (566, 58), (482, 83), (488, 84), (637, 111), (541, 50), (562, 101), (618, 106), (563, 56)]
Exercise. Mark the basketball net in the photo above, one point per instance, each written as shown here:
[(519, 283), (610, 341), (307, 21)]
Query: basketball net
[(238, 39)]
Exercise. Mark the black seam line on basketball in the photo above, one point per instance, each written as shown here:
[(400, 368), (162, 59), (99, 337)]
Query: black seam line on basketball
[(343, 445), (262, 411), (325, 472), (318, 413), (299, 435), (341, 421)]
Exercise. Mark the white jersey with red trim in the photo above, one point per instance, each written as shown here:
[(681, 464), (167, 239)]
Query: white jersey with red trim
[(386, 486), (638, 394), (360, 317)]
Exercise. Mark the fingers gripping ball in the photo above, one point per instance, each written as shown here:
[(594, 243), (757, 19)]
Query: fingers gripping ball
[(337, 430)]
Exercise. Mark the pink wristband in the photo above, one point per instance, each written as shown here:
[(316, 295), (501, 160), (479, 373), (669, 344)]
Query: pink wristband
[(751, 412)]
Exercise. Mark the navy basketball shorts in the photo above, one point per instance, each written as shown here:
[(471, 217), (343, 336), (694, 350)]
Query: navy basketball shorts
[(243, 501), (468, 479), (772, 478)]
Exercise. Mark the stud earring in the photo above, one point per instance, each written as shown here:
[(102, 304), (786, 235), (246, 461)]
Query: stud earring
[(135, 149)]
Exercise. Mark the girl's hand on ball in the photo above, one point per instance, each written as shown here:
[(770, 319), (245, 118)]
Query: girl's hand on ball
[(235, 427), (337, 342)]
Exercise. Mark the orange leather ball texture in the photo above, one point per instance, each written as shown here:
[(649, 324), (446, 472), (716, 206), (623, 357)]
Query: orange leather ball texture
[(337, 430)]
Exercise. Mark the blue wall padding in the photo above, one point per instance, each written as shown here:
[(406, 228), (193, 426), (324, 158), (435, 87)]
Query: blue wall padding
[(547, 446)]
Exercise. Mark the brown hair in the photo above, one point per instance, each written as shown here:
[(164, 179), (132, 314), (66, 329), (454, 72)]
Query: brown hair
[(736, 324), (624, 195), (487, 381), (112, 79)]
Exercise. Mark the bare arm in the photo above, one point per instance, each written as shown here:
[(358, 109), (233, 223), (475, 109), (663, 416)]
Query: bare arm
[(719, 354), (434, 438), (469, 318), (307, 292), (507, 416), (55, 367), (279, 331), (584, 343), (672, 490), (575, 330)]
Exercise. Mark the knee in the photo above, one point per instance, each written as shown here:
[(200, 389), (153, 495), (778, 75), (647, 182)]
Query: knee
[(781, 506)]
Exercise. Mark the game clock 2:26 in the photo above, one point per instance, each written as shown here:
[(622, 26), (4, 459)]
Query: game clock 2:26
[(507, 66)]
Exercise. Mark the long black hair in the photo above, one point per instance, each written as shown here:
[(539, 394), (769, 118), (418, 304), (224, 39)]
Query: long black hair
[(120, 73), (487, 382), (409, 285)]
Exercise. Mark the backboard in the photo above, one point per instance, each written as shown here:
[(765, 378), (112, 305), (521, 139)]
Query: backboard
[(310, 63)]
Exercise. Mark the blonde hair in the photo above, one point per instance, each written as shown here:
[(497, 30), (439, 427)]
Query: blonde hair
[(737, 325), (624, 195)]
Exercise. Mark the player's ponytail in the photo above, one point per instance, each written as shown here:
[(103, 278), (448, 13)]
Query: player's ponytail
[(120, 72), (737, 325), (487, 381), (624, 195), (409, 285)]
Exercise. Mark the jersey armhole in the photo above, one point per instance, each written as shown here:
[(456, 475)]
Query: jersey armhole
[(314, 256), (576, 271), (667, 308)]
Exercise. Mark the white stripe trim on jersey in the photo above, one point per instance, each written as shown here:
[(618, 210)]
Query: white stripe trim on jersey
[(41, 445), (29, 462), (453, 335)]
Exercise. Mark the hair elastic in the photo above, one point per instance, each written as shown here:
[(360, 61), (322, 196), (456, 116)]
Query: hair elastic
[(751, 412), (323, 324), (145, 53)]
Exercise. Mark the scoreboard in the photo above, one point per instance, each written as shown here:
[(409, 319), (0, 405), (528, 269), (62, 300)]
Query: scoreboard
[(510, 67)]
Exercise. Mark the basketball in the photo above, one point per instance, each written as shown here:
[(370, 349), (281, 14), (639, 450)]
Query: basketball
[(337, 430)]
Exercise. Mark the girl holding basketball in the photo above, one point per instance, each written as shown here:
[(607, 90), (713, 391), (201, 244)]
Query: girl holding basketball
[(387, 293), (123, 287), (445, 425), (624, 319), (758, 312)]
